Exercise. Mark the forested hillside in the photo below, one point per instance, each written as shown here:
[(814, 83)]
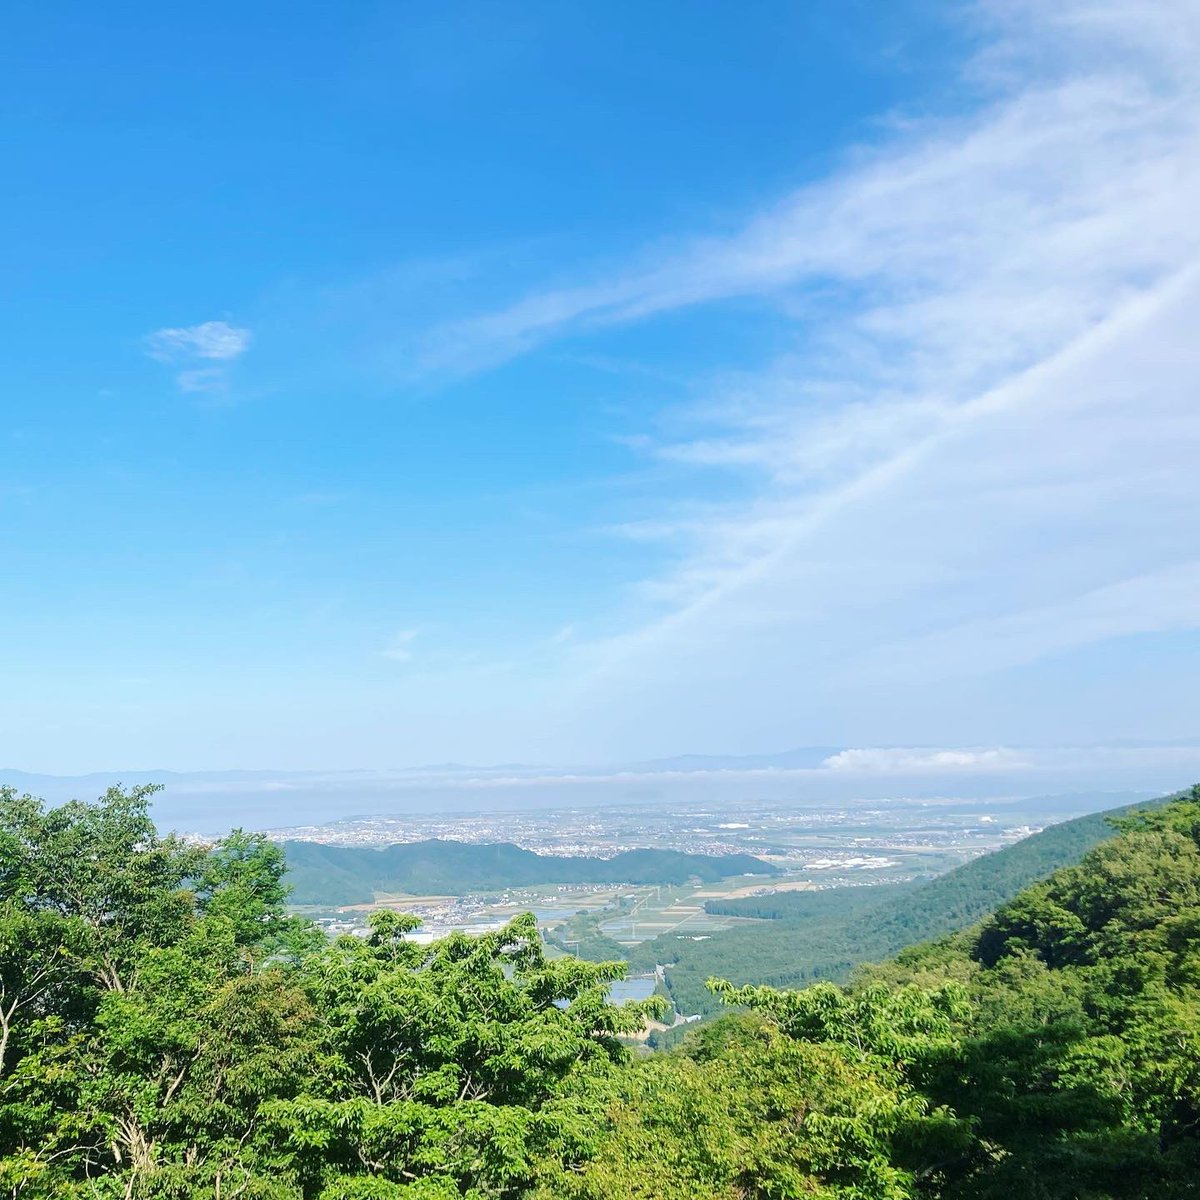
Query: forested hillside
[(320, 874), (824, 935), (168, 1033), (1050, 1053)]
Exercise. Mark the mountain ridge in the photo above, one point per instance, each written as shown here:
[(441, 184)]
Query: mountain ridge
[(340, 875)]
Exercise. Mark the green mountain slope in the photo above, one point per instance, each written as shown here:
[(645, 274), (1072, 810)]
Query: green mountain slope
[(1051, 1051), (321, 874), (824, 935), (1079, 1067)]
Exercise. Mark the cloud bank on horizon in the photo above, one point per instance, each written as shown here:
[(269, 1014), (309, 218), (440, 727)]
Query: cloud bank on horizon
[(902, 455)]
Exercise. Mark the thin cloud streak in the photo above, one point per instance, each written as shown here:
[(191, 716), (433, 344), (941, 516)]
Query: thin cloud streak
[(1072, 484), (210, 340), (399, 646), (202, 353), (1023, 211), (984, 455)]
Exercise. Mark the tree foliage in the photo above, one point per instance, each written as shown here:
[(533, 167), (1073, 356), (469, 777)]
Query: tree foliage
[(167, 1031)]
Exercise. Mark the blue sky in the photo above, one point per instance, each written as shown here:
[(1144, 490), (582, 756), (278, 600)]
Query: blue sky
[(397, 383)]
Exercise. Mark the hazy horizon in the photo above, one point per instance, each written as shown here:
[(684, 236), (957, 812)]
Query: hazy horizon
[(211, 802)]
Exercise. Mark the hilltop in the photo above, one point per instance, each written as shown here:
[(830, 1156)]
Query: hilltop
[(334, 875)]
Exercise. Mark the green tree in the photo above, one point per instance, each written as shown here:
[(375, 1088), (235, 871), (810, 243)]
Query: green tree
[(464, 1064), (744, 1109), (168, 1033)]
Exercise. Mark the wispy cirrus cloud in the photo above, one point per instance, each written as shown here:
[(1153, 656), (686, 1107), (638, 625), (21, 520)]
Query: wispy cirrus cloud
[(980, 453), (399, 647), (1039, 187), (202, 353)]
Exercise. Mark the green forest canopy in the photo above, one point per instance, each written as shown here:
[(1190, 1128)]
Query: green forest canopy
[(166, 1031)]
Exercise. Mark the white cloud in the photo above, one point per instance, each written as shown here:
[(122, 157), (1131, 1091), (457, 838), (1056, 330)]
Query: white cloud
[(202, 353), (399, 645), (975, 456), (216, 340), (986, 239), (1051, 513), (900, 761), (202, 379), (984, 453)]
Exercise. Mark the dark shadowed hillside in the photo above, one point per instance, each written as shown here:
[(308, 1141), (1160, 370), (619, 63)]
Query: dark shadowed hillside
[(321, 874)]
